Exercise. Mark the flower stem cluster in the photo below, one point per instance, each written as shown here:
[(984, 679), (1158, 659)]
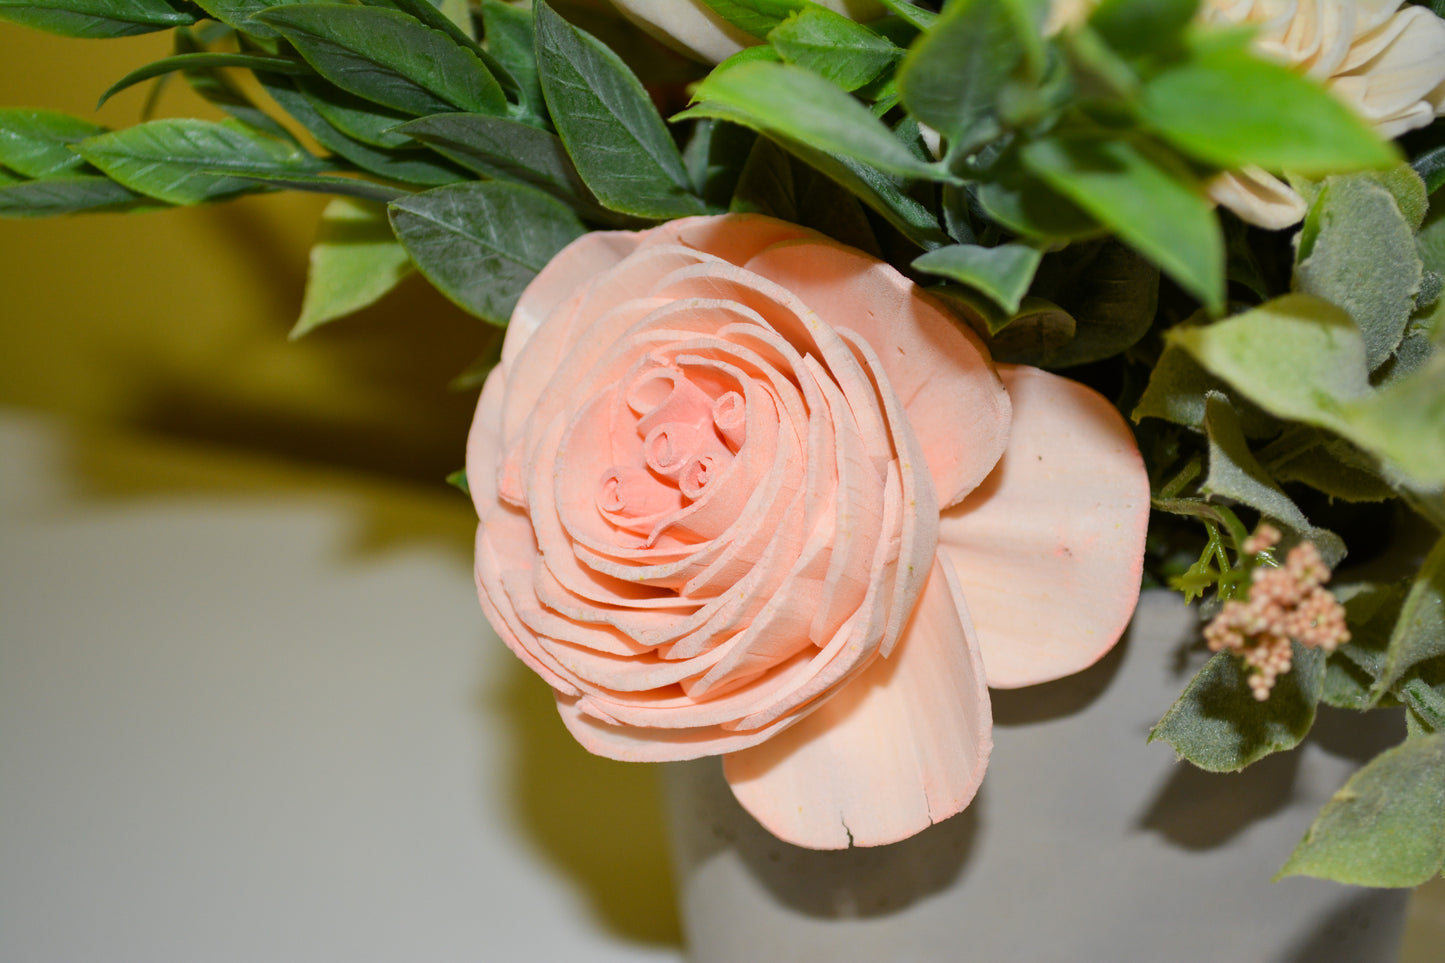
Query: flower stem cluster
[(1284, 602)]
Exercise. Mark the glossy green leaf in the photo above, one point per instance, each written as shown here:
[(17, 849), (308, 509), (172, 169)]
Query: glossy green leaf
[(609, 125), (954, 74), (204, 61), (337, 186), (464, 239), (356, 259), (755, 17), (1160, 213), (388, 57), (1218, 725), (840, 50), (405, 166), (1002, 272), (1386, 827), (66, 193), (356, 117), (915, 16), (1232, 109), (95, 19), (814, 112), (237, 14), (510, 41), (1139, 27), (177, 160), (504, 149), (36, 142), (217, 87), (775, 183), (1358, 252)]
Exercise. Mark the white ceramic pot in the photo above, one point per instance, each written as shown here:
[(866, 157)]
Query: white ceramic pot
[(1085, 844)]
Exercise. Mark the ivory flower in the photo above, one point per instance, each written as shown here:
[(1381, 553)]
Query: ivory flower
[(690, 26), (745, 491), (1386, 63)]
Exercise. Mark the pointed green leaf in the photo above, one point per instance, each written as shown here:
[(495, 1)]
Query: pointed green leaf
[(755, 17), (176, 160), (67, 194), (217, 87), (322, 184), (915, 16), (814, 112), (356, 259), (464, 239), (37, 142), (775, 183), (840, 50), (1386, 827), (1110, 292), (237, 14), (504, 149), (1232, 109), (1003, 272), (609, 125), (203, 61), (95, 19), (1218, 725), (510, 41), (1161, 213), (389, 57)]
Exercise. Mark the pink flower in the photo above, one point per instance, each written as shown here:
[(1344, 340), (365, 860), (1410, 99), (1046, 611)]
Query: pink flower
[(736, 481)]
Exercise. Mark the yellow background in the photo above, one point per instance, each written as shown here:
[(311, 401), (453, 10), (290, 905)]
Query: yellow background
[(175, 322)]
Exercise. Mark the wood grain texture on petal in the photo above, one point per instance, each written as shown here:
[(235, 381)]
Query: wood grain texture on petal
[(938, 368), (902, 746), (1050, 547)]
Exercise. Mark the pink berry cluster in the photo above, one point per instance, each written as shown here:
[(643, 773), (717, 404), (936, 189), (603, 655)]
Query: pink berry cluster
[(1286, 602)]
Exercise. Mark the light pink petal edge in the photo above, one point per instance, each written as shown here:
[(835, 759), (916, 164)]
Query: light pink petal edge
[(1050, 548), (902, 746)]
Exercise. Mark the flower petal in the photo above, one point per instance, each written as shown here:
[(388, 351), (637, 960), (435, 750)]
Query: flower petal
[(934, 363), (1050, 547), (902, 746)]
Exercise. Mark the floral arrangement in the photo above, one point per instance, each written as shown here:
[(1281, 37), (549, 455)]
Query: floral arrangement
[(862, 356)]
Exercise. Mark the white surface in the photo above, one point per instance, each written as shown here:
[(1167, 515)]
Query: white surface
[(249, 713)]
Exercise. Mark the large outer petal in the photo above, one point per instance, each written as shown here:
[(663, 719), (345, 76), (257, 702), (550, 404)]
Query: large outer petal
[(903, 746), (1050, 547)]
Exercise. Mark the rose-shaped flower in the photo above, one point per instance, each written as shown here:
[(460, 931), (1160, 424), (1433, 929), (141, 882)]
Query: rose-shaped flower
[(691, 27), (1387, 64), (736, 481)]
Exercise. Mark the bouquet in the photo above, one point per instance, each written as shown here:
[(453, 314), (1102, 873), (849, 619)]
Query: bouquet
[(863, 356)]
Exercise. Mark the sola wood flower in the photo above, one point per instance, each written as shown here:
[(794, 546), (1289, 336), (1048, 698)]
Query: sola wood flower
[(691, 26), (746, 491)]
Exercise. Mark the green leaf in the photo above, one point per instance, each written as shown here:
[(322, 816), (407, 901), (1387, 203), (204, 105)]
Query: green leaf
[(1386, 827), (609, 125), (1419, 633), (1404, 422), (814, 112), (1138, 27), (879, 191), (715, 156), (66, 193), (176, 160), (1161, 213), (203, 61), (1235, 473), (510, 40), (1003, 272), (1370, 613), (37, 142), (237, 14), (1218, 725), (356, 117), (1431, 168), (1108, 292), (388, 57), (94, 19), (1358, 252), (458, 480), (755, 17), (216, 87), (405, 166), (1229, 108), (1026, 205), (915, 16), (356, 259), (840, 50), (1327, 464), (504, 149), (954, 74), (323, 184), (464, 239), (775, 183)]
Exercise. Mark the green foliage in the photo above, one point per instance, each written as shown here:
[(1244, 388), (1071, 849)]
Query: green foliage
[(36, 143), (203, 61), (756, 17), (609, 125), (356, 259), (96, 19), (1218, 725), (841, 51), (1003, 273), (463, 238), (1386, 827)]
